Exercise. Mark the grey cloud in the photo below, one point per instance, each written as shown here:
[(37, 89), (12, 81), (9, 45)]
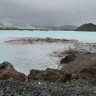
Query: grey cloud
[(48, 12)]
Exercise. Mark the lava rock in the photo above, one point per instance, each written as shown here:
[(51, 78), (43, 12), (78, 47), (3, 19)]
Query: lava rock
[(68, 59), (50, 75), (7, 71)]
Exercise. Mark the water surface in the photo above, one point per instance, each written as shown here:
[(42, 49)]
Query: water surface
[(81, 36), (36, 56)]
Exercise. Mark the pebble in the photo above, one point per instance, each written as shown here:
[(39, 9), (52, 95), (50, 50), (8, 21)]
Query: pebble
[(17, 88)]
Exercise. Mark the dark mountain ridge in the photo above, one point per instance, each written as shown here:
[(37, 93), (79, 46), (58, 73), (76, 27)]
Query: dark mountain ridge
[(87, 27)]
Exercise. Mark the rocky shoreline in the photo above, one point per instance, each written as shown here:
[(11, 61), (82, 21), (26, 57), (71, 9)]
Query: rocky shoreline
[(76, 77), (79, 48), (30, 40), (7, 71), (51, 82)]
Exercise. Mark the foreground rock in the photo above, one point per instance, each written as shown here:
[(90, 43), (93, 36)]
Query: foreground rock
[(81, 62), (52, 82), (50, 75), (17, 88), (83, 67), (7, 71)]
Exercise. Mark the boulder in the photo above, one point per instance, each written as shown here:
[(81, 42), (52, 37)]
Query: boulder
[(67, 59), (7, 71), (81, 62), (50, 75)]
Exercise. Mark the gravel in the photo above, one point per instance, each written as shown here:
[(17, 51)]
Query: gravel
[(17, 88)]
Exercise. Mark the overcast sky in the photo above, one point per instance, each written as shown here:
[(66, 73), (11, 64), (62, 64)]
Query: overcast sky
[(48, 12)]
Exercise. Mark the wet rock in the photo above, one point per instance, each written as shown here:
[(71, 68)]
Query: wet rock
[(50, 75), (7, 71), (35, 40), (67, 59)]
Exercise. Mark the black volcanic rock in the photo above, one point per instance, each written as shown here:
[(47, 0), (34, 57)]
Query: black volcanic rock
[(67, 59), (87, 27), (49, 75), (7, 71)]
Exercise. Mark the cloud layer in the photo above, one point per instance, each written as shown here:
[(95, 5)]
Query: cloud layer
[(48, 12)]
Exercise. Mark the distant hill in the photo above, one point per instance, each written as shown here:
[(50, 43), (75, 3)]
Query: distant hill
[(64, 27), (68, 27), (87, 27), (30, 27)]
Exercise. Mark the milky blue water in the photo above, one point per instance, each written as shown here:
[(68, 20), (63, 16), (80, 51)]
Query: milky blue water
[(36, 56), (81, 36)]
